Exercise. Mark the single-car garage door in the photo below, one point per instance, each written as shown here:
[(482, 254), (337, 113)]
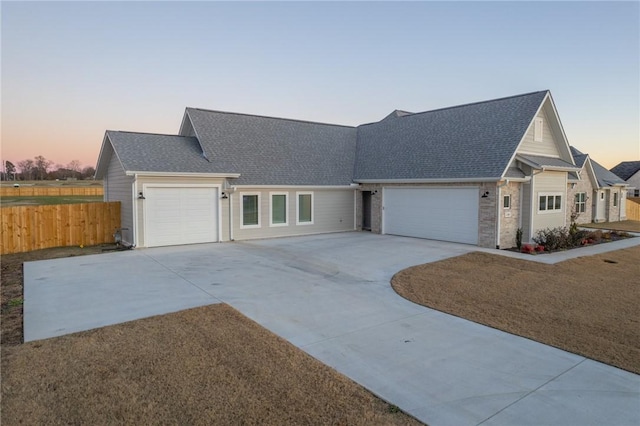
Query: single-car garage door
[(447, 214), (180, 215)]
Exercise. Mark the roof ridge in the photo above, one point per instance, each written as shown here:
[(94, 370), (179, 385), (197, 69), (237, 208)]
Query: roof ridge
[(271, 117), (412, 114), (149, 133), (478, 102)]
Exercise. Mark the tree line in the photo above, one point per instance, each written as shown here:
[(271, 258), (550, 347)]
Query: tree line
[(39, 168)]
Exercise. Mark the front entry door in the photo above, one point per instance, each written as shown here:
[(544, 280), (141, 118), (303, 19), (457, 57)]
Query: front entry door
[(366, 210)]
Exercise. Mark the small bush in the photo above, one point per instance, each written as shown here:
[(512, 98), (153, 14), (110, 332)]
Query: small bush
[(519, 238), (554, 238)]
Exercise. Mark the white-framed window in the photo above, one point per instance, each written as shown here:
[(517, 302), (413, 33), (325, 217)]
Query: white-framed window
[(304, 208), (602, 195), (279, 209), (250, 210), (549, 202), (506, 202), (538, 129), (581, 202), (615, 199)]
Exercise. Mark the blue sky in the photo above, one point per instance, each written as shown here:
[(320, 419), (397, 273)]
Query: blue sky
[(72, 70)]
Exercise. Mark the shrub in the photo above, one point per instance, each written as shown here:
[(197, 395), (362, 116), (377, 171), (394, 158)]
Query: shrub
[(519, 238), (554, 238)]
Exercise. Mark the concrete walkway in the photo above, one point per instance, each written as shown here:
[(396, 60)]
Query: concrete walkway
[(330, 296)]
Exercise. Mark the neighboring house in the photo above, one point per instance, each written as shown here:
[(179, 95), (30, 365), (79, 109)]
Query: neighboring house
[(629, 171), (598, 195), (473, 173)]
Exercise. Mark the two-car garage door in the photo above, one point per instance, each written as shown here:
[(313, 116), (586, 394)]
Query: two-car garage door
[(447, 214), (180, 215)]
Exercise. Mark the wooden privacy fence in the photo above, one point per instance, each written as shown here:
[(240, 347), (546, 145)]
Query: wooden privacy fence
[(633, 208), (27, 228), (50, 191)]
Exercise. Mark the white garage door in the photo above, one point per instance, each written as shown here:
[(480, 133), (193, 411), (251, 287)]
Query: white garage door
[(447, 214), (180, 215)]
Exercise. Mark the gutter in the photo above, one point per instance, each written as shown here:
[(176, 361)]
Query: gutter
[(182, 174), (460, 180)]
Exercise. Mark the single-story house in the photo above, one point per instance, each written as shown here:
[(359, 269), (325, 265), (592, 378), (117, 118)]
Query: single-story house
[(472, 173), (598, 195), (629, 171)]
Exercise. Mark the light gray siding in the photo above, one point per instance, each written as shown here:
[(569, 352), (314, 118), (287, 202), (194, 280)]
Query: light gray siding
[(117, 187), (548, 146), (333, 211), (549, 183)]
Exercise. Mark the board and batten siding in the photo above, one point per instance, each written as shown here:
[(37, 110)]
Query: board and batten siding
[(117, 187), (549, 183), (333, 211), (547, 147), (144, 181)]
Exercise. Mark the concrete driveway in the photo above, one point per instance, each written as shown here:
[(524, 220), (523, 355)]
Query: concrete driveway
[(330, 296)]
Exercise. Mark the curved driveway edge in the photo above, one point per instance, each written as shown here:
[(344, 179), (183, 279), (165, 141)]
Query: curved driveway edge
[(330, 295)]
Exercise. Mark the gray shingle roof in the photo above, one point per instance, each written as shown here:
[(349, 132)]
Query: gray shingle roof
[(275, 151), (542, 162), (147, 152), (469, 141), (604, 176), (626, 169), (578, 157)]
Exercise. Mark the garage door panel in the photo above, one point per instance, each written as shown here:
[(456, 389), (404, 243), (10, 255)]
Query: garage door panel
[(180, 215), (448, 214)]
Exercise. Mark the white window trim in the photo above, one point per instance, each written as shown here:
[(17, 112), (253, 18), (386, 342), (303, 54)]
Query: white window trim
[(298, 193), (242, 225), (547, 211), (538, 129), (576, 204), (286, 209), (509, 198), (615, 199)]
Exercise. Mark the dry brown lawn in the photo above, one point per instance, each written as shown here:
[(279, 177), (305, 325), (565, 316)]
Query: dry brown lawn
[(588, 306), (208, 365)]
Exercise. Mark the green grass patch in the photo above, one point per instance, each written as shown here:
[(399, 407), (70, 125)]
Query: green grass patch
[(49, 200)]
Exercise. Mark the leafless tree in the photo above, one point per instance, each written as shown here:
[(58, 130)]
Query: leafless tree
[(42, 167), (27, 169)]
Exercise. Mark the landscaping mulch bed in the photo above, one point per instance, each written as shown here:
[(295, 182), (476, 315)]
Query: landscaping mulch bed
[(588, 305), (208, 365)]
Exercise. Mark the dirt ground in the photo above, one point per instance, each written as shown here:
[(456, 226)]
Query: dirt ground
[(208, 365), (11, 294), (588, 305)]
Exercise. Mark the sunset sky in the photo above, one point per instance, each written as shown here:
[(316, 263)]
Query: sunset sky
[(72, 70)]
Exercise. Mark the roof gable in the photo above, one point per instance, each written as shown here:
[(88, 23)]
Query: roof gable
[(469, 141), (602, 177), (148, 152), (553, 141)]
